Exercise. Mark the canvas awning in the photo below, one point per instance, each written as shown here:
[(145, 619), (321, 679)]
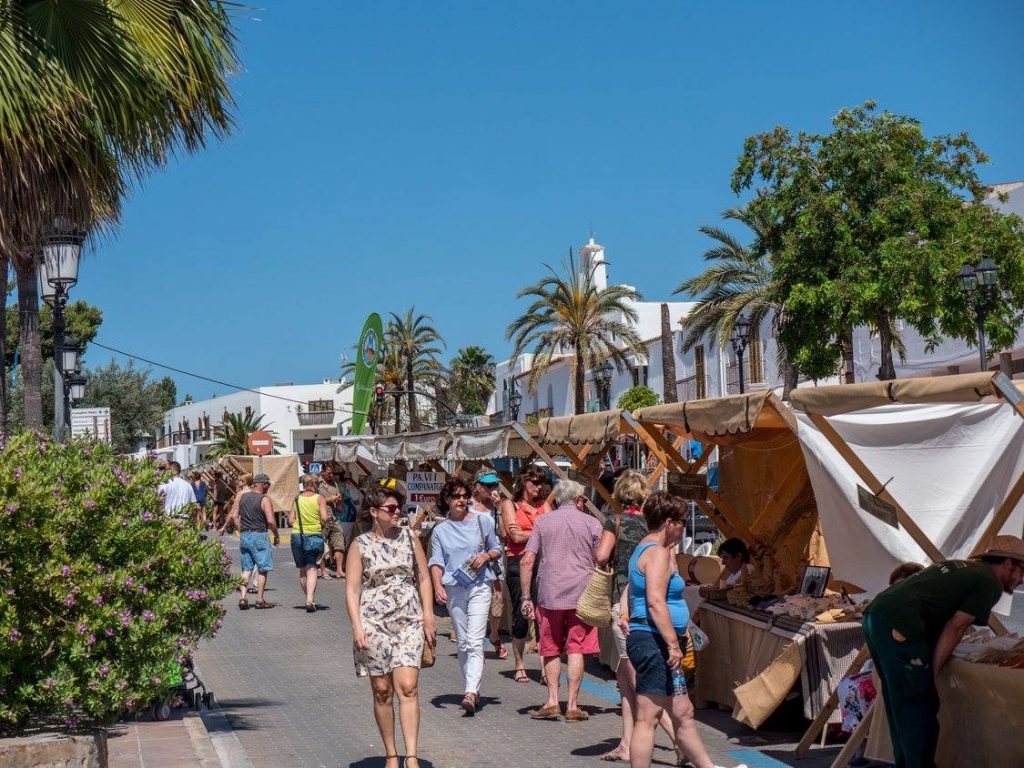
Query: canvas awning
[(845, 398), (720, 416), (584, 429)]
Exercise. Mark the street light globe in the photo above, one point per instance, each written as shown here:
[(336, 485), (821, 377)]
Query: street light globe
[(987, 273), (61, 254), (967, 278), (76, 387), (47, 291), (71, 359)]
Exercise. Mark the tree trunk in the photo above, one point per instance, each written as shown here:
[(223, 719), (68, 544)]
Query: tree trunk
[(668, 358), (886, 370), (848, 375), (790, 378), (5, 270), (398, 414), (30, 343), (580, 372), (414, 416)]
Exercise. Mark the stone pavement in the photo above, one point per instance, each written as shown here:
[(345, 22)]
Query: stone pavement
[(179, 741), (286, 683)]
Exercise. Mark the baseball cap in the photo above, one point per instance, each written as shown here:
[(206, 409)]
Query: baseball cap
[(261, 478)]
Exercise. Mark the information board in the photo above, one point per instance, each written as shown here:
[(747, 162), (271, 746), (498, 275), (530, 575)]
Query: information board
[(91, 424), (424, 486)]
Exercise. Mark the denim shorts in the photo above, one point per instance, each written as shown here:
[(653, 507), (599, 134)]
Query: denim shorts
[(306, 550), (256, 551), (648, 654)]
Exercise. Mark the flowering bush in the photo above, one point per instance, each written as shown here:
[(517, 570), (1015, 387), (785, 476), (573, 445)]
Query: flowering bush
[(100, 593)]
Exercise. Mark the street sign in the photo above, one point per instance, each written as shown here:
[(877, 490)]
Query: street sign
[(91, 424), (260, 443), (424, 486)]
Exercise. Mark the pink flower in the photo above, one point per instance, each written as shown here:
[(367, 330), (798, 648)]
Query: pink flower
[(14, 635), (108, 632), (12, 509), (82, 628), (91, 640), (129, 581), (147, 516), (104, 671), (98, 600), (148, 615), (17, 473), (65, 571), (10, 592), (69, 600), (90, 504)]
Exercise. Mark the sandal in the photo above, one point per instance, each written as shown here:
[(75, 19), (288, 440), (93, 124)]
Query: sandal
[(408, 758), (310, 607), (469, 703), (613, 757), (263, 605), (243, 604), (521, 676), (500, 649)]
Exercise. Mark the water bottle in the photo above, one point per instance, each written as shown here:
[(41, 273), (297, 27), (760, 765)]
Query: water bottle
[(678, 682)]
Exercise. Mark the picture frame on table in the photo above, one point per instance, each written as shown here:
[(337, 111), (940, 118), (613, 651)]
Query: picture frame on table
[(815, 580)]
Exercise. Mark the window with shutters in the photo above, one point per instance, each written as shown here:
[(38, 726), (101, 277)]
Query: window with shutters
[(699, 372)]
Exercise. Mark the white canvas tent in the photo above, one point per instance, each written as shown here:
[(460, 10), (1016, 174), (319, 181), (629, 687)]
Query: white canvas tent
[(944, 455)]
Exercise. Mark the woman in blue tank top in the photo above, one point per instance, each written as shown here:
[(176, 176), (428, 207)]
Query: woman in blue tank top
[(657, 635)]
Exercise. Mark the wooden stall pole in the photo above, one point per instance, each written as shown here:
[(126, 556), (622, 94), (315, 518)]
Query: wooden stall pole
[(657, 442), (584, 470), (860, 733), (818, 725), (535, 447), (660, 469)]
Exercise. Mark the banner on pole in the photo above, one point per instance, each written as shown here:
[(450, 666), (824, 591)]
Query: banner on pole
[(368, 351)]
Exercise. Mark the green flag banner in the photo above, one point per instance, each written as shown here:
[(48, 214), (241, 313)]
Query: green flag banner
[(369, 349)]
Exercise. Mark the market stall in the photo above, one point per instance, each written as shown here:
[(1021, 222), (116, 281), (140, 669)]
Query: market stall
[(756, 656)]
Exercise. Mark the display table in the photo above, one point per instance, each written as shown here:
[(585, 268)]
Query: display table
[(984, 698), (760, 657)]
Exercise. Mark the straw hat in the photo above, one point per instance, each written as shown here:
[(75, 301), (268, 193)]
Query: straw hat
[(703, 570), (1005, 546)]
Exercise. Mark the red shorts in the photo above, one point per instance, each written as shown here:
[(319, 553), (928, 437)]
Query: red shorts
[(562, 632)]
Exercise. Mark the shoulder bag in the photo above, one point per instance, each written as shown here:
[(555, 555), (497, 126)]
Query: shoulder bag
[(427, 659), (595, 604)]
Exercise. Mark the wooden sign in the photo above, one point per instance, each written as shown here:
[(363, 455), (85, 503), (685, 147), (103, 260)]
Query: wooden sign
[(877, 507), (260, 443), (688, 487)]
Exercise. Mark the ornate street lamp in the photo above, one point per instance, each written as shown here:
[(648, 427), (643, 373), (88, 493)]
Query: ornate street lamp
[(76, 387), (58, 273), (603, 379), (980, 284), (739, 340), (514, 401)]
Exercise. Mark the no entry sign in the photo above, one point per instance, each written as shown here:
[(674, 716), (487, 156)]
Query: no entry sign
[(260, 443)]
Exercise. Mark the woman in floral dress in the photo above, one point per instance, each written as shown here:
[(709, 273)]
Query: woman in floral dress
[(388, 586)]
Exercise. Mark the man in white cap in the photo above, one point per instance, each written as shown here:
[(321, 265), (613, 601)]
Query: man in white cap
[(913, 626)]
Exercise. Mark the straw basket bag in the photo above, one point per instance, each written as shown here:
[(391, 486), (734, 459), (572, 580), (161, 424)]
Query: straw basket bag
[(595, 604)]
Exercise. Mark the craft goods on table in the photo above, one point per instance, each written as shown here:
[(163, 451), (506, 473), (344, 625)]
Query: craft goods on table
[(985, 648), (824, 609)]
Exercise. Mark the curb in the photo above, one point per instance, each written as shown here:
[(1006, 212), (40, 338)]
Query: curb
[(222, 736)]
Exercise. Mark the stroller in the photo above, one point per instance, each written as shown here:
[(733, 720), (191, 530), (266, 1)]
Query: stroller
[(184, 689)]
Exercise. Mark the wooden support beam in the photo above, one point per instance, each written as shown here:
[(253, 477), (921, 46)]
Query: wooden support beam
[(595, 481), (785, 494), (734, 519), (437, 467), (721, 521), (1001, 516), (660, 469), (880, 491), (819, 723), (535, 447), (860, 733), (657, 442)]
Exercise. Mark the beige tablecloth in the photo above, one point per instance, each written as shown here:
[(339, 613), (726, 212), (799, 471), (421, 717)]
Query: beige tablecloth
[(980, 718), (761, 662)]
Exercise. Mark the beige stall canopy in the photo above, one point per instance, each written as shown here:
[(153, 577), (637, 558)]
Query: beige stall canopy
[(283, 471), (764, 494), (964, 388)]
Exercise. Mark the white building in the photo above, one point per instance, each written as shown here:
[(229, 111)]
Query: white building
[(300, 414), (711, 371)]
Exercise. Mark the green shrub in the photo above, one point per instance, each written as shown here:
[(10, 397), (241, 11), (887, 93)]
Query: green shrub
[(100, 593), (637, 397)]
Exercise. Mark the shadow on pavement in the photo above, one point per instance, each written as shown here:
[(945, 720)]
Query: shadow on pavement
[(379, 762), (234, 710), (319, 607)]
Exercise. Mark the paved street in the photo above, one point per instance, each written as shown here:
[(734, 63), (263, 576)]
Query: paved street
[(285, 680)]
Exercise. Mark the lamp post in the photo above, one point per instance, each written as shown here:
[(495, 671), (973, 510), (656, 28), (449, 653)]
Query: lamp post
[(980, 284), (739, 339), (603, 379), (58, 273), (514, 401)]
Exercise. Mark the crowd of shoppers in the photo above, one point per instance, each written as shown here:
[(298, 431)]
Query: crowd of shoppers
[(539, 547)]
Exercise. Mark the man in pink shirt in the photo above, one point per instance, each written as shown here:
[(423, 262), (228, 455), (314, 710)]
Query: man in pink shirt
[(562, 546)]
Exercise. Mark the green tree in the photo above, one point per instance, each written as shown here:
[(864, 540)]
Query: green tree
[(418, 344), (94, 94), (82, 323), (136, 403), (570, 316), (637, 397), (872, 228), (738, 280), (234, 437), (471, 380)]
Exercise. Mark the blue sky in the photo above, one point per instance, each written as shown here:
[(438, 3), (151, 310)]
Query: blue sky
[(437, 154)]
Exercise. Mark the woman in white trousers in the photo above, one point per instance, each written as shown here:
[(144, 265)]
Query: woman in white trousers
[(463, 549)]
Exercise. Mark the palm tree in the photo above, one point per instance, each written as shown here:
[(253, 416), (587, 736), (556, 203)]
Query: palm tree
[(411, 336), (736, 282), (472, 379), (95, 94), (235, 431), (571, 316)]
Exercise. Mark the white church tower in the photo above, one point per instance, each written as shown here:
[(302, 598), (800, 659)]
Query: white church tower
[(592, 257)]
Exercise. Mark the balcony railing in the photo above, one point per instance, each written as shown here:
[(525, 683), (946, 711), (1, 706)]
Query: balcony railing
[(692, 388), (315, 418), (187, 436), (732, 377)]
